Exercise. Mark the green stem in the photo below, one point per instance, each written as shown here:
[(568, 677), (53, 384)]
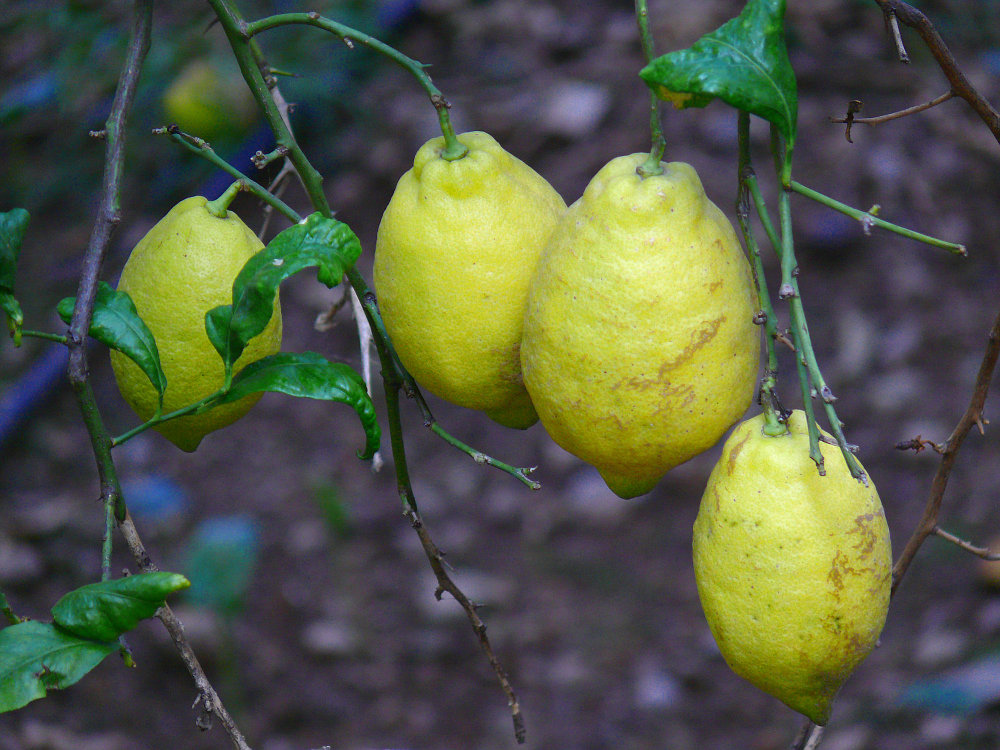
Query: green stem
[(805, 354), (653, 165), (204, 150), (196, 407), (45, 336), (773, 414), (410, 388), (220, 206), (869, 219), (7, 612), (481, 458), (453, 148), (799, 331), (235, 29)]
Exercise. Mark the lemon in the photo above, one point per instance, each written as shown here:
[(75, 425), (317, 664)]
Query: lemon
[(455, 251), (209, 101), (181, 269), (794, 569), (639, 346)]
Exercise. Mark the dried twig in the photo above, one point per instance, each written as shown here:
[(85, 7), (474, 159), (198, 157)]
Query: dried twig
[(982, 552), (854, 106), (960, 84), (973, 417)]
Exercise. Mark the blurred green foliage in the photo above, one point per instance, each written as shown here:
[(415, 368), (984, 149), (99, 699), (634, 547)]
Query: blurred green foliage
[(60, 64)]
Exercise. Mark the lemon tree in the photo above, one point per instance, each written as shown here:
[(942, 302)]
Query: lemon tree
[(794, 569), (639, 346), (455, 252)]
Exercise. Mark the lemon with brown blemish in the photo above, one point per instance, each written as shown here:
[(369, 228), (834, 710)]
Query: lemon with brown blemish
[(794, 569), (639, 347)]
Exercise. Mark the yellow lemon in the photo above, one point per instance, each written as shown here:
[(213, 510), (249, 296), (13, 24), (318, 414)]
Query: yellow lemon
[(639, 346), (794, 569), (455, 252), (181, 269)]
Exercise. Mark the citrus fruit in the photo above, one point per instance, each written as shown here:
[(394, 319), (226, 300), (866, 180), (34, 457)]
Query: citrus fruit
[(210, 101), (794, 569), (639, 347), (455, 251), (181, 269)]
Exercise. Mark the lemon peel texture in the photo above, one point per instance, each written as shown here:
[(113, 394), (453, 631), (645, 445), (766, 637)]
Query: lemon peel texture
[(639, 346), (455, 251), (794, 569), (181, 269)]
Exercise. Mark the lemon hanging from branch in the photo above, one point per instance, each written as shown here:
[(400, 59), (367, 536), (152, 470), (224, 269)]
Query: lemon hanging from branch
[(639, 346), (181, 269), (794, 569), (455, 252)]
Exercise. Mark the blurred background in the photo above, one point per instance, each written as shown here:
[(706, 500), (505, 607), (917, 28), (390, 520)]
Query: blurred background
[(312, 606)]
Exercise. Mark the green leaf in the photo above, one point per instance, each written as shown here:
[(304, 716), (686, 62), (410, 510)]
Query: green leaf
[(36, 657), (744, 62), (103, 611), (310, 375), (116, 324), (318, 241), (13, 226)]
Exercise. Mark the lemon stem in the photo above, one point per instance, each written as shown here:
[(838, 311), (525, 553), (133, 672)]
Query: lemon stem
[(868, 220), (810, 377), (652, 166), (220, 206), (774, 415)]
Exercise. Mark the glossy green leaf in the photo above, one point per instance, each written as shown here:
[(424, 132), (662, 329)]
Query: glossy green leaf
[(744, 62), (310, 375), (116, 324), (36, 657), (317, 241), (103, 611), (13, 226)]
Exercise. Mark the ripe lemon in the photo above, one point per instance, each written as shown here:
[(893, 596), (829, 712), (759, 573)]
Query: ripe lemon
[(181, 269), (455, 252), (794, 569), (639, 346)]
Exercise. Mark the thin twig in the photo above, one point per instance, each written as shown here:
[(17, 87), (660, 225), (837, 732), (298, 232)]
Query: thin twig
[(897, 37), (392, 386), (868, 219), (973, 417), (982, 552), (960, 84), (851, 119), (239, 33)]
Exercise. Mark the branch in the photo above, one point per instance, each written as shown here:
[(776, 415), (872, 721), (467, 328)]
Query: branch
[(109, 216), (209, 700), (982, 552), (973, 417), (960, 84), (392, 385)]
